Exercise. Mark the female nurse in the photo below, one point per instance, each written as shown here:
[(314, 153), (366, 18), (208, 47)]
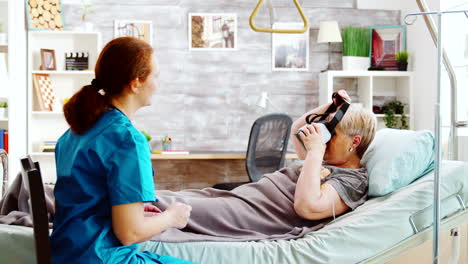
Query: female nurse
[(104, 173)]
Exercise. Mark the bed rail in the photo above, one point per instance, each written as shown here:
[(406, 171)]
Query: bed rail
[(451, 205)]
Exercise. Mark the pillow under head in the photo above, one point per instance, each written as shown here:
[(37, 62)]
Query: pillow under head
[(396, 158)]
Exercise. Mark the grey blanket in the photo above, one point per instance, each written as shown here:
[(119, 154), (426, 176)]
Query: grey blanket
[(255, 211), (15, 208)]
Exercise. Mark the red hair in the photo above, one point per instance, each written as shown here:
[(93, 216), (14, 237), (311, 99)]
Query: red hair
[(121, 61)]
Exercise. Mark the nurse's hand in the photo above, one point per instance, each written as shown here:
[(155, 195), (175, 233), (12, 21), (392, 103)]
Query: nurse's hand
[(151, 210), (179, 214)]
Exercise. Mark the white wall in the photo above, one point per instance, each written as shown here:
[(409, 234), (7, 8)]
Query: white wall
[(18, 76), (423, 57)]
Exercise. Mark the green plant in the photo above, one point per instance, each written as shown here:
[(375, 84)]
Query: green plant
[(86, 9), (3, 104), (402, 56), (391, 110), (147, 136), (356, 41)]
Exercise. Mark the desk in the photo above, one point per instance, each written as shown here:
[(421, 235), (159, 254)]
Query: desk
[(209, 155), (199, 169)]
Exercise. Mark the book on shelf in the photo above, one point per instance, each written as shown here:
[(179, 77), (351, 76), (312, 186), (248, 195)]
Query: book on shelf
[(169, 152), (4, 139), (48, 145)]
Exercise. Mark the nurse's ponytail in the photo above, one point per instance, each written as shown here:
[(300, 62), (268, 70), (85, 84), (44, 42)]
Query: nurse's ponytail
[(121, 61)]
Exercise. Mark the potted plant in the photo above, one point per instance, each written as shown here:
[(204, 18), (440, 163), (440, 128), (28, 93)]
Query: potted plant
[(394, 116), (356, 48), (147, 136), (402, 60), (3, 110), (86, 10)]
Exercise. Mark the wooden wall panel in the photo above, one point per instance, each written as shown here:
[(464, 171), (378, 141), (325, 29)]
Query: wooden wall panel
[(206, 100)]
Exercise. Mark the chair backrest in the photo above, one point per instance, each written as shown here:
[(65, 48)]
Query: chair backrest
[(33, 184), (4, 159), (268, 143)]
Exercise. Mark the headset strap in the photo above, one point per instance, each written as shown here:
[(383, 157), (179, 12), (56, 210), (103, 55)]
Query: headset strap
[(331, 109)]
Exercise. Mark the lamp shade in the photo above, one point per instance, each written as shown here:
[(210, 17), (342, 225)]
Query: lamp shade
[(329, 32)]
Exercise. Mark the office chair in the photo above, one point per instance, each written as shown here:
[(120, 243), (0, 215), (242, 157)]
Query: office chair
[(33, 183), (266, 150)]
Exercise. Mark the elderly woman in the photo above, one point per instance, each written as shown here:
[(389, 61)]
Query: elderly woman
[(292, 201), (341, 184)]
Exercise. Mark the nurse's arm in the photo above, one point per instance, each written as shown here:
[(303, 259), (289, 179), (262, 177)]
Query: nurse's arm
[(131, 226)]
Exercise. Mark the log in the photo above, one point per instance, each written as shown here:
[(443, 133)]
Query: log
[(33, 3), (52, 24), (34, 12), (46, 5), (46, 15), (58, 21)]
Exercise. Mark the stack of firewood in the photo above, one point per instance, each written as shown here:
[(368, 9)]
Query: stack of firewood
[(45, 14)]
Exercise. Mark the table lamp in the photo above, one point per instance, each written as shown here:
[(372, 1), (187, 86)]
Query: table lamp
[(263, 100), (329, 32)]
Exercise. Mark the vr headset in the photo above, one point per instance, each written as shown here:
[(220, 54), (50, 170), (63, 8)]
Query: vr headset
[(327, 128)]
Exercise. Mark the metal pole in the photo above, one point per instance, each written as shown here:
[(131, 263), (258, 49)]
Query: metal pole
[(454, 124), (438, 153), (441, 58)]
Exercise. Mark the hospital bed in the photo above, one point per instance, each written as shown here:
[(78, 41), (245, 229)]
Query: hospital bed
[(381, 228), (375, 232)]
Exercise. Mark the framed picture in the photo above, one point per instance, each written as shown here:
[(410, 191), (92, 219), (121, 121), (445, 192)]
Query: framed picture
[(44, 15), (212, 31), (385, 42), (290, 52), (44, 92), (134, 28), (48, 62)]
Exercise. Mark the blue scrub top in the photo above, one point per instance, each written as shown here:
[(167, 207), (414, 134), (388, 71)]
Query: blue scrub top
[(108, 165)]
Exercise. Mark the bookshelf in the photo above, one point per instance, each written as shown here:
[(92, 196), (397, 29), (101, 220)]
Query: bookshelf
[(4, 76), (372, 88), (45, 125)]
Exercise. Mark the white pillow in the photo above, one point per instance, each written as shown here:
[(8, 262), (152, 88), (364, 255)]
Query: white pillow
[(396, 158)]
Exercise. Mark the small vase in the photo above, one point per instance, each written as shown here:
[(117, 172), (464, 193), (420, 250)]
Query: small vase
[(3, 38), (85, 27), (3, 113), (88, 27), (402, 66), (354, 63)]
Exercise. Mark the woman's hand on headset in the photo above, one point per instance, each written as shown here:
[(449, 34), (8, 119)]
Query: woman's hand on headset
[(312, 138)]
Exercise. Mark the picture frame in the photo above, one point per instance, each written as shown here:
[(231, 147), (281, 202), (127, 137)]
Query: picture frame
[(44, 90), (48, 62), (140, 29), (44, 15), (290, 52), (385, 42), (212, 31)]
